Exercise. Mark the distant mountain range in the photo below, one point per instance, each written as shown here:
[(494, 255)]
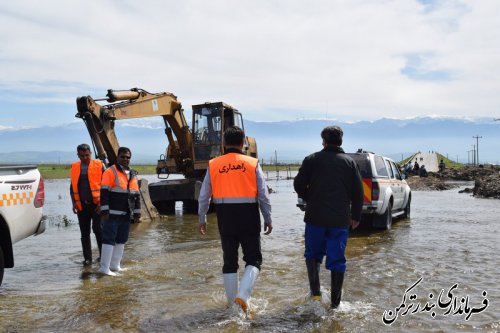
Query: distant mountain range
[(290, 141)]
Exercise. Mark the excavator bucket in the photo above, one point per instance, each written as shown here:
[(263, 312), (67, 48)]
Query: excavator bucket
[(148, 210)]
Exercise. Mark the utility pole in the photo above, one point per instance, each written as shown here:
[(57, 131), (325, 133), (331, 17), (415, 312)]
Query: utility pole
[(473, 155), (276, 161), (477, 137)]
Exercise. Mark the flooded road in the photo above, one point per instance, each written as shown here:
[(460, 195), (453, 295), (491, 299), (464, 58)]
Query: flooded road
[(174, 283)]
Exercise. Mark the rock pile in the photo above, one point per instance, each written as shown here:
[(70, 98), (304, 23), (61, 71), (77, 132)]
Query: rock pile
[(430, 183), (467, 172), (487, 186), (486, 180)]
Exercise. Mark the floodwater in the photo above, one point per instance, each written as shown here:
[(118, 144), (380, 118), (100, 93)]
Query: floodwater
[(174, 284)]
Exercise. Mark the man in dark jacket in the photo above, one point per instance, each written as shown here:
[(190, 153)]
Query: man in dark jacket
[(85, 192), (330, 183)]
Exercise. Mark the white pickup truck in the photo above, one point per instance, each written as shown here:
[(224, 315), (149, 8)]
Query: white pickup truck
[(21, 200), (385, 191)]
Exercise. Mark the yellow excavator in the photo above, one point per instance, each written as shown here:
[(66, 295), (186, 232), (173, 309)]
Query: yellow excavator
[(188, 153)]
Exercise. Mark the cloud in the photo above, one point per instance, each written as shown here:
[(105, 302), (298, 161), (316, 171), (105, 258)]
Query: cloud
[(418, 67), (272, 60)]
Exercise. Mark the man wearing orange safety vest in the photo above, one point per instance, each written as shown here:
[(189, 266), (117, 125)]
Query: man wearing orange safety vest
[(85, 191), (237, 185), (120, 203)]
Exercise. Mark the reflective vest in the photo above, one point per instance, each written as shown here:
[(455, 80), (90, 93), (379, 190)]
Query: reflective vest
[(94, 174), (120, 195), (233, 178)]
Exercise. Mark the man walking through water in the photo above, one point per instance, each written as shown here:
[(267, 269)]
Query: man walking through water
[(238, 188), (330, 183)]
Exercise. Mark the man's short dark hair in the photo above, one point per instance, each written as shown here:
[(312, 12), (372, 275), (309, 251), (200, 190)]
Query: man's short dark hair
[(332, 135), (124, 150), (233, 136), (83, 147)]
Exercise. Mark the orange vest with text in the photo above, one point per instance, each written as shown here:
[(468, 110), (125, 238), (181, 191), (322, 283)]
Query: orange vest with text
[(94, 174), (233, 178)]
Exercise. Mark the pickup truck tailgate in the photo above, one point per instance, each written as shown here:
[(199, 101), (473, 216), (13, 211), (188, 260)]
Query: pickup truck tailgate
[(18, 190)]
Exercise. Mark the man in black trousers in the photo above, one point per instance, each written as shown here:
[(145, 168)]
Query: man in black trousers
[(85, 191)]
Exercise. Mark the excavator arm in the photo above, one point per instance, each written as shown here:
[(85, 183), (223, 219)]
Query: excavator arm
[(136, 103), (187, 154)]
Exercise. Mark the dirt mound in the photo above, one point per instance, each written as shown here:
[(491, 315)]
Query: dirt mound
[(486, 179), (430, 183), (487, 186), (467, 172)]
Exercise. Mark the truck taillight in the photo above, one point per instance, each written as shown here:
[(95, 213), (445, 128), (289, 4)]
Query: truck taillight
[(375, 191), (40, 194), (367, 191)]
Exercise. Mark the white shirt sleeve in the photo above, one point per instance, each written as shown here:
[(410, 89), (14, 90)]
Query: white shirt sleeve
[(204, 198), (263, 196)]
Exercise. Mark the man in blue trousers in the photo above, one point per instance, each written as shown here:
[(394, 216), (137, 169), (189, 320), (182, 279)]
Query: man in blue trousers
[(330, 183)]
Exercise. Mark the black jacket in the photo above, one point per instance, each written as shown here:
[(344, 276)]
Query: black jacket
[(330, 182)]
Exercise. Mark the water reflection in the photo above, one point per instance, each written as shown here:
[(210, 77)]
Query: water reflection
[(174, 277)]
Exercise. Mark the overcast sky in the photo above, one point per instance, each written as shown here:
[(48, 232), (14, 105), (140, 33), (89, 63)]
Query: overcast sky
[(273, 60)]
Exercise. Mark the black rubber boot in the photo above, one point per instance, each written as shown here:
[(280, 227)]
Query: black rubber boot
[(87, 251), (313, 274), (337, 281)]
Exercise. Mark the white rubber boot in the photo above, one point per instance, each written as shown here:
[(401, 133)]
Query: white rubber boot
[(246, 285), (116, 258), (231, 287), (106, 253)]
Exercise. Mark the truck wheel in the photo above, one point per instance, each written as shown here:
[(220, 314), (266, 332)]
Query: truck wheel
[(2, 265), (190, 206), (384, 221), (366, 220), (165, 207), (407, 210)]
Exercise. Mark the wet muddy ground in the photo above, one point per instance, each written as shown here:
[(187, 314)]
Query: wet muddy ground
[(174, 284)]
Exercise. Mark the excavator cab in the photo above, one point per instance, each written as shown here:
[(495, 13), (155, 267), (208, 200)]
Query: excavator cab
[(209, 122)]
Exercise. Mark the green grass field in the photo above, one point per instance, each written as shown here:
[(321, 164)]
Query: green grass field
[(280, 167), (57, 171), (61, 171), (447, 162)]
